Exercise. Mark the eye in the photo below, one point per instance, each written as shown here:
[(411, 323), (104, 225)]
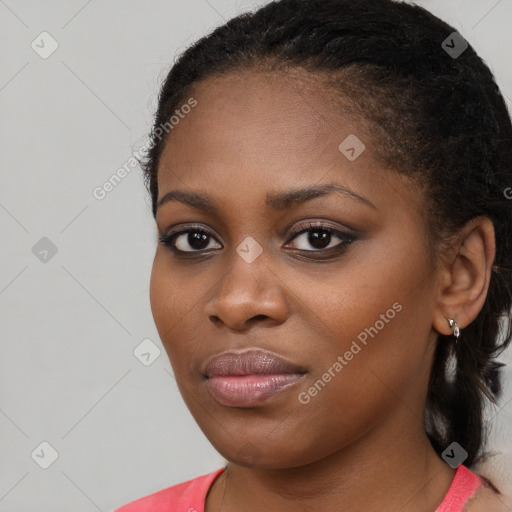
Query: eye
[(321, 237), (196, 239), (318, 236)]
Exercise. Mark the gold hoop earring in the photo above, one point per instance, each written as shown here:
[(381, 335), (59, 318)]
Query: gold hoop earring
[(456, 330)]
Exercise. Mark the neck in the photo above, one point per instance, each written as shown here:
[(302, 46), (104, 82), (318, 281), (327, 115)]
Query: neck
[(377, 472)]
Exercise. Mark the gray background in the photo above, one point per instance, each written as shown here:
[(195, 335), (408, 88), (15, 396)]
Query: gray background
[(70, 321)]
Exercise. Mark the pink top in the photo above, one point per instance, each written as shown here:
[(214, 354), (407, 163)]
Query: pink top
[(463, 487), (190, 496)]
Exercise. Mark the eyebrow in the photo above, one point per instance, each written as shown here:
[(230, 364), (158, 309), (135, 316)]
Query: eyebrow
[(277, 201)]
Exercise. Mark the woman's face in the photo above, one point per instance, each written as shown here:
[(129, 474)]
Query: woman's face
[(348, 304)]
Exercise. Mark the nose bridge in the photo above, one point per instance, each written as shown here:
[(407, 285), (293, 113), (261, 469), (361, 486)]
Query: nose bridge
[(248, 288), (245, 278)]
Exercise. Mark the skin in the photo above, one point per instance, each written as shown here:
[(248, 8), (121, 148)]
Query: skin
[(359, 444)]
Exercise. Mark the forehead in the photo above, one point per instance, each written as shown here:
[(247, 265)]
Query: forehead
[(256, 135), (273, 122)]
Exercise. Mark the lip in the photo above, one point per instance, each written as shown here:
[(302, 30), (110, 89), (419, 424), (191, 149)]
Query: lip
[(248, 378)]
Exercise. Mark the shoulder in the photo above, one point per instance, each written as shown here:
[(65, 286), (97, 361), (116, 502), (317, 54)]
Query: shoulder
[(487, 500), (186, 496)]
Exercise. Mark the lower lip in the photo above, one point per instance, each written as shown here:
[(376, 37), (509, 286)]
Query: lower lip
[(249, 390)]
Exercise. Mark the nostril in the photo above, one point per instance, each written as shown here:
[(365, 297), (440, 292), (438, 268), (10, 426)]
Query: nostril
[(259, 317), (215, 319)]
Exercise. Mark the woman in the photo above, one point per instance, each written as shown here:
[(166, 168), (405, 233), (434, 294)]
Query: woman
[(329, 182)]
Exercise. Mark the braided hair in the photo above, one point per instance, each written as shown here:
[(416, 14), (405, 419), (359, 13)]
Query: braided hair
[(437, 118)]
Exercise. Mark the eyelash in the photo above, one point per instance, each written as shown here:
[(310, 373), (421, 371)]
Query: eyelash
[(346, 237)]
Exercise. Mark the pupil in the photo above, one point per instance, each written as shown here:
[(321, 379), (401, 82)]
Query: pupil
[(196, 240), (318, 239)]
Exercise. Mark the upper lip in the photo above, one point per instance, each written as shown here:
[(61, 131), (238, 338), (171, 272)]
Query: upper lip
[(249, 362)]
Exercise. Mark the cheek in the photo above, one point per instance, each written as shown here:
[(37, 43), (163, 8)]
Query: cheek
[(162, 298), (168, 304), (173, 294), (360, 299), (376, 366), (375, 315), (176, 300)]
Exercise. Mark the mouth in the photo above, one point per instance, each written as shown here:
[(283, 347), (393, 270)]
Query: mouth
[(246, 379)]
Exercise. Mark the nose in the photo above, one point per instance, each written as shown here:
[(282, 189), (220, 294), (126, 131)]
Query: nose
[(246, 294)]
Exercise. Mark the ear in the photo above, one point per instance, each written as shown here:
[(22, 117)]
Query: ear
[(464, 275)]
